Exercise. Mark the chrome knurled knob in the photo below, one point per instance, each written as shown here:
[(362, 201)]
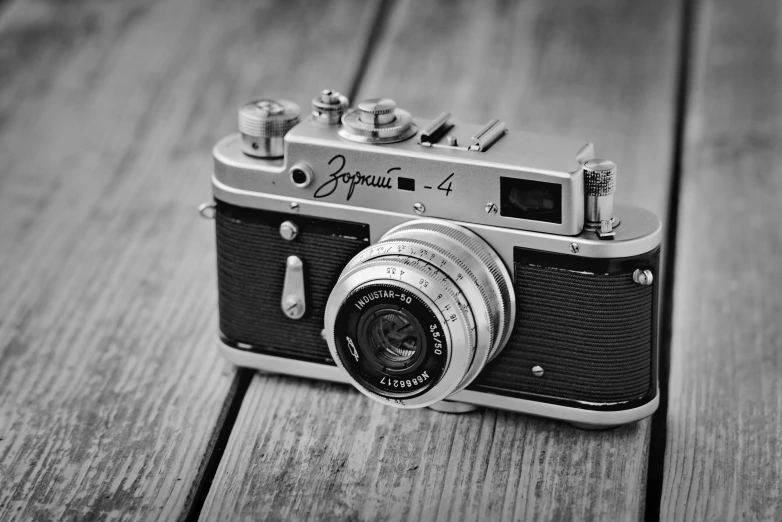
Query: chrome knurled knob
[(599, 187), (599, 177), (264, 124), (377, 111), (377, 121), (329, 106)]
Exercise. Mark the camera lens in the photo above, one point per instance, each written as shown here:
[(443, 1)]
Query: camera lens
[(392, 337), (390, 342), (415, 317)]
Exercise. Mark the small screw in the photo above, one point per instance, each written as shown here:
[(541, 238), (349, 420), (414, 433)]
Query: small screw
[(294, 206), (207, 210), (452, 141), (643, 277), (574, 248), (419, 208), (289, 230), (293, 308), (537, 371), (490, 208)]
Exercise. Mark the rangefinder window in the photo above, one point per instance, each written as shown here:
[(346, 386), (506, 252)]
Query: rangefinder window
[(534, 200)]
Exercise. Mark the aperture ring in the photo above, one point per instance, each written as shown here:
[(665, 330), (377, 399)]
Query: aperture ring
[(500, 278), (437, 286), (457, 270)]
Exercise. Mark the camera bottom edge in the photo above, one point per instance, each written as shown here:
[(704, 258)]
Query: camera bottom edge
[(582, 418)]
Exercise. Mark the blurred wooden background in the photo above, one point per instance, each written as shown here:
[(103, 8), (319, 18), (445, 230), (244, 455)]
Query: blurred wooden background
[(113, 401)]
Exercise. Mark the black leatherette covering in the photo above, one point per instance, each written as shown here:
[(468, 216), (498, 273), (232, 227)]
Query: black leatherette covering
[(251, 260)]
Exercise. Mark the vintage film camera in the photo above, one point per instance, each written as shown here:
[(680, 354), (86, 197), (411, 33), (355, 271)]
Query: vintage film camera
[(431, 263)]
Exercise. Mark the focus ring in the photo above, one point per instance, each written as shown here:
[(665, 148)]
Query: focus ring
[(459, 263), (504, 311)]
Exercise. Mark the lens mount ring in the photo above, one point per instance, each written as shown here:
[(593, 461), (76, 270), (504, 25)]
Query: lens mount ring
[(449, 260), (474, 267), (437, 310)]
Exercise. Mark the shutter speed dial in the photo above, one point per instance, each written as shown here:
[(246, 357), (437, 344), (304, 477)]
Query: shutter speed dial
[(379, 111), (377, 121)]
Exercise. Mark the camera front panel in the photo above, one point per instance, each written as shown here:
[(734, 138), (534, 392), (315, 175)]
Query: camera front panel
[(585, 334), (251, 265)]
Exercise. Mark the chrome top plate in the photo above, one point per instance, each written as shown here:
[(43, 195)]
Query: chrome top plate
[(450, 183)]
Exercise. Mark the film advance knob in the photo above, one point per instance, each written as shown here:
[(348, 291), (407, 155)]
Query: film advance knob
[(264, 124), (599, 187)]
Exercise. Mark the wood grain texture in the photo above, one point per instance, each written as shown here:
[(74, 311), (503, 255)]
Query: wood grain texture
[(723, 452), (305, 450), (111, 389)]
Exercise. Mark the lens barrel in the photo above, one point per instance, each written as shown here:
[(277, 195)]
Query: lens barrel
[(415, 317), (399, 358)]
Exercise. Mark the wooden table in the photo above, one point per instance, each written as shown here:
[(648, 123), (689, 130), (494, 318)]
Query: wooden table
[(113, 401)]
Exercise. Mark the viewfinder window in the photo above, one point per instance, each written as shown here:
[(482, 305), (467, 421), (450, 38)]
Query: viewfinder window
[(533, 200)]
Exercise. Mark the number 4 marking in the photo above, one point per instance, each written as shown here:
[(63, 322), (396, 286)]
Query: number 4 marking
[(447, 189)]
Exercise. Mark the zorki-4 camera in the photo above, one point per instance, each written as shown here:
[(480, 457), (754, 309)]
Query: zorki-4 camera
[(434, 263)]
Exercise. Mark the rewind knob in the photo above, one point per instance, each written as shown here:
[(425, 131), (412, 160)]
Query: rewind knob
[(264, 124)]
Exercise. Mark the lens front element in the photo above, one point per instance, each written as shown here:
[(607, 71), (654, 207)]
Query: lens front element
[(415, 317), (391, 341), (394, 337)]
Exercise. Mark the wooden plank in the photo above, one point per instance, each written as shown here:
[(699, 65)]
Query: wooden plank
[(111, 390), (309, 450), (724, 425)]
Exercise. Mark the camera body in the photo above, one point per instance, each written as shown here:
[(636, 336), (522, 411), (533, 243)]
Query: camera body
[(367, 247)]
